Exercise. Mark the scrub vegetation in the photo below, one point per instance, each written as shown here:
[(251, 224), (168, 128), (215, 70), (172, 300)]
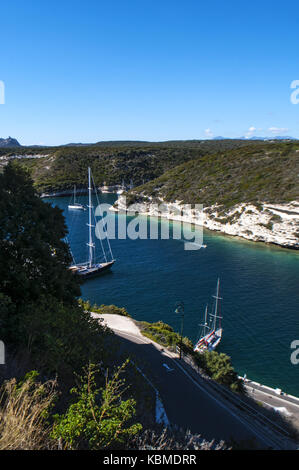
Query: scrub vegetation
[(112, 162), (257, 173)]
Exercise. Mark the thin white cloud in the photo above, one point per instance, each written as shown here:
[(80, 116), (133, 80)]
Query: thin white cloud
[(209, 133), (250, 132), (278, 130)]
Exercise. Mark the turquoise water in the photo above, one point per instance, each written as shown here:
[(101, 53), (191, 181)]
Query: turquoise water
[(259, 286)]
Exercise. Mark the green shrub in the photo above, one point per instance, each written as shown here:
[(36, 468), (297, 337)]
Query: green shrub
[(218, 366), (163, 334), (268, 226), (100, 418), (276, 218), (103, 309)]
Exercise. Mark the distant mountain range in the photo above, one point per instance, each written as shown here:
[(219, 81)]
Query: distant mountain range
[(9, 142), (276, 137)]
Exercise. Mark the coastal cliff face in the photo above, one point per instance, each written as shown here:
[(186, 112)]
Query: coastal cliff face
[(270, 223)]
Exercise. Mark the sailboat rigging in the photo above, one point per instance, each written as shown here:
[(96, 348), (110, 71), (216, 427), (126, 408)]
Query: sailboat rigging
[(90, 268), (211, 333)]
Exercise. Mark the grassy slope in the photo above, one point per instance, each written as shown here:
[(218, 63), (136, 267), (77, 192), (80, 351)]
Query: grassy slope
[(256, 173)]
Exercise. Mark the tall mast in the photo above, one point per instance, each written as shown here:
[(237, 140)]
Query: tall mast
[(74, 194), (216, 303), (90, 242), (105, 229), (205, 324)]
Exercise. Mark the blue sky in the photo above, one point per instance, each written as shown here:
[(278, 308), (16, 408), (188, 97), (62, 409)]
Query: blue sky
[(147, 70)]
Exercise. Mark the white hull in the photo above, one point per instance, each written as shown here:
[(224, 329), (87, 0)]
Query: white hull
[(85, 271), (76, 207), (209, 342)]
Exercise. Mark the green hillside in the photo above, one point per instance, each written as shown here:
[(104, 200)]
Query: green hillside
[(256, 173), (112, 162)]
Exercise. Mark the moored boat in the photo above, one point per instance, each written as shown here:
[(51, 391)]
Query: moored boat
[(76, 205), (211, 332), (91, 268)]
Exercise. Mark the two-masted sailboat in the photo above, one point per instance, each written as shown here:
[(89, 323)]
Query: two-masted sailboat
[(211, 331), (90, 268)]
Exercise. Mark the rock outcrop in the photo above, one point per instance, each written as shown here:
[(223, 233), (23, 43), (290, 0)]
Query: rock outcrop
[(9, 142)]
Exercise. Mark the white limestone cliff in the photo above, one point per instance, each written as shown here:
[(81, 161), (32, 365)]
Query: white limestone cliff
[(269, 223)]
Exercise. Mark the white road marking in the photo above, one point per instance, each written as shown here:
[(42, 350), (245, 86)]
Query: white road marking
[(167, 368)]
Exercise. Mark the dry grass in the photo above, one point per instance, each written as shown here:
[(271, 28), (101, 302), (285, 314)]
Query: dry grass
[(23, 413), (174, 439)]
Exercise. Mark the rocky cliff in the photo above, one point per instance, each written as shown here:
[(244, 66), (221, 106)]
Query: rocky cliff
[(270, 223)]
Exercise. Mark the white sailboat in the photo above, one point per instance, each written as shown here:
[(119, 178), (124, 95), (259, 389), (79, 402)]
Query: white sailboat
[(90, 268), (211, 333), (122, 189), (75, 205)]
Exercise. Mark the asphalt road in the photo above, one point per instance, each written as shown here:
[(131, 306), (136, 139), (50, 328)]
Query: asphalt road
[(189, 403), (285, 404)]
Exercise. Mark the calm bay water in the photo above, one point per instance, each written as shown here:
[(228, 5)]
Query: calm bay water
[(259, 286)]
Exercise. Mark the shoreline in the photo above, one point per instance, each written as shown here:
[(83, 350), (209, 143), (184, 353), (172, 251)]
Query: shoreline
[(244, 221), (70, 192), (209, 225)]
